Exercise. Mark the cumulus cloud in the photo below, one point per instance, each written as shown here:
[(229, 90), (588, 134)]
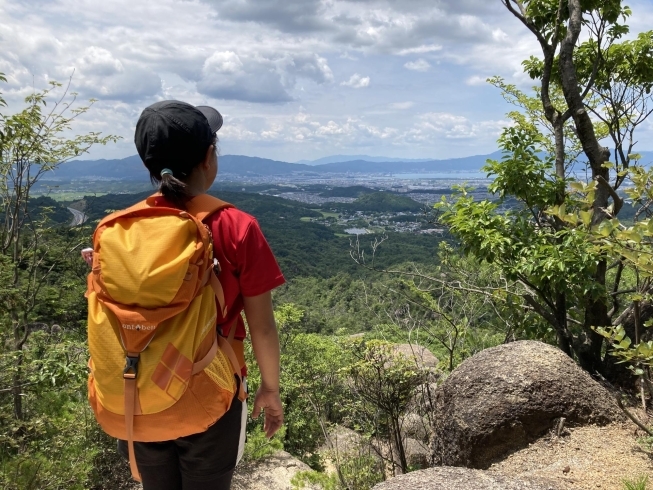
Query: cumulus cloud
[(357, 81), (429, 129), (256, 78), (391, 26), (101, 75), (418, 65), (427, 48), (248, 56)]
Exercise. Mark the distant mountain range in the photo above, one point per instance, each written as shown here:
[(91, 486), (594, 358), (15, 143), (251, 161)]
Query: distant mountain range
[(366, 158), (131, 168)]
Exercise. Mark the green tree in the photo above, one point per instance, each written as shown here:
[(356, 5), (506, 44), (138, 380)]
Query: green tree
[(310, 384), (587, 90), (382, 382), (32, 142)]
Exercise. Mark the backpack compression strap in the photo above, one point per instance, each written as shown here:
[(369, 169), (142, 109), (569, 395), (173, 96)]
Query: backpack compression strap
[(131, 393)]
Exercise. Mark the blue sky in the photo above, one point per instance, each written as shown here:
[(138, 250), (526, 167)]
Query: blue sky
[(294, 79)]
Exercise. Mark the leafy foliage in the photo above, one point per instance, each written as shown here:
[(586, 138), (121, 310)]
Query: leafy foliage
[(543, 244), (355, 472), (383, 382), (46, 427), (310, 387)]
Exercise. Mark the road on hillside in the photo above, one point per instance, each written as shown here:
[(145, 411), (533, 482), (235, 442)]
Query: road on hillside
[(78, 217)]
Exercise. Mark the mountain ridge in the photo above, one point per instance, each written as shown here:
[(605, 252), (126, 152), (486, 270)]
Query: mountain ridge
[(367, 158), (131, 168)]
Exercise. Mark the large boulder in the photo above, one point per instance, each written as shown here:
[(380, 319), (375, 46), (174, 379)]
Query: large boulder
[(272, 473), (446, 478), (505, 397)]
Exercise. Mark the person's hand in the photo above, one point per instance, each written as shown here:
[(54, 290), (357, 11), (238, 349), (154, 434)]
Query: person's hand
[(87, 255), (270, 402)]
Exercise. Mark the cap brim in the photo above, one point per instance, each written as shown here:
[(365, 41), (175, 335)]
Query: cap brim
[(212, 116)]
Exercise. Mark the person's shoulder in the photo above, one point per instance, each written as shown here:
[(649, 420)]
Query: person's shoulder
[(233, 215), (232, 221)]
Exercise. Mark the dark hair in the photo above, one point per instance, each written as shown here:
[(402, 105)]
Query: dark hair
[(173, 186)]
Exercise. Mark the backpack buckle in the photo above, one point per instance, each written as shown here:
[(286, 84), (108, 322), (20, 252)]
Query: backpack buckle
[(131, 367), (216, 267)]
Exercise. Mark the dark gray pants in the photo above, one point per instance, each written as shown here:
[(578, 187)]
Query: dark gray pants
[(204, 461)]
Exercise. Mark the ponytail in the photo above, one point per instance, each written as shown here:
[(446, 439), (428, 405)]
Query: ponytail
[(170, 183), (172, 189)]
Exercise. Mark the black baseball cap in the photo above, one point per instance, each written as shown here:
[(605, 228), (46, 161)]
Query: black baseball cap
[(175, 135)]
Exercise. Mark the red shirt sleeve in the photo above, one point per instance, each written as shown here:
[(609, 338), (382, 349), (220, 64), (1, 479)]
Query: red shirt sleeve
[(258, 269)]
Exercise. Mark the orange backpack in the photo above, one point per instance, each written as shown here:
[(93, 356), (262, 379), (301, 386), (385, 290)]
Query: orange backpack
[(159, 370)]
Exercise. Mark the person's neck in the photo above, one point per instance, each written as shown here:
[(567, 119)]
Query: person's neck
[(195, 185)]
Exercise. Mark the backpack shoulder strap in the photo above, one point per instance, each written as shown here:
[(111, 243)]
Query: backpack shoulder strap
[(124, 212), (203, 206), (200, 207)]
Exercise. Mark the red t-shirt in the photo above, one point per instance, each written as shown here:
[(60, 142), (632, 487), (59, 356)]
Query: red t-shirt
[(248, 265)]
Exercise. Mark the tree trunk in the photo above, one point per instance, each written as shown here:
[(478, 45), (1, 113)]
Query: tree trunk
[(399, 443), (17, 379)]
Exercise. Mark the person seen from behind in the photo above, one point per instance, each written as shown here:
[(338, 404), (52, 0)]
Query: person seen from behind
[(177, 143)]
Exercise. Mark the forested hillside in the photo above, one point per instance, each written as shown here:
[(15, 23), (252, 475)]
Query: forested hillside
[(303, 248)]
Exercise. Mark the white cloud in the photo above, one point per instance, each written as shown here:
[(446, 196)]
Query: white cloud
[(347, 56), (402, 105), (452, 126), (476, 80), (420, 50), (99, 61), (429, 129), (225, 62), (357, 81), (418, 65)]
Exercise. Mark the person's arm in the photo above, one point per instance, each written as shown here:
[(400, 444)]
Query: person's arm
[(265, 341)]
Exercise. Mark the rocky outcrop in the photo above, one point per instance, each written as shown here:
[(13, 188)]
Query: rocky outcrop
[(445, 478), (272, 473), (505, 397)]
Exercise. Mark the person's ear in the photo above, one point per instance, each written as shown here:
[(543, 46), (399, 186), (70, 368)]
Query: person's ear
[(207, 158)]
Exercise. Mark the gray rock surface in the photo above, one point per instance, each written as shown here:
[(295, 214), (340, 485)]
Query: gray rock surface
[(342, 440), (423, 357), (415, 426), (417, 453), (446, 478), (505, 397), (271, 473)]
